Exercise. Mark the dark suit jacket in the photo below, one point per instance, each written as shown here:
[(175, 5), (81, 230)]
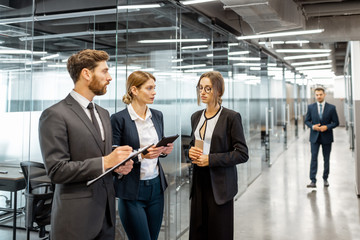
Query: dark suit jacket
[(227, 148), (125, 133), (329, 118), (72, 150)]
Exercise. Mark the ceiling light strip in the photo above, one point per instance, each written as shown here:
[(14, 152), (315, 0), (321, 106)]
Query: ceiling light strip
[(140, 6), (173, 40), (19, 52), (239, 53), (107, 32), (314, 67), (244, 58), (189, 66), (311, 63), (247, 64), (246, 5), (195, 46), (77, 14), (297, 42), (196, 1), (303, 50), (307, 56), (281, 34), (50, 57)]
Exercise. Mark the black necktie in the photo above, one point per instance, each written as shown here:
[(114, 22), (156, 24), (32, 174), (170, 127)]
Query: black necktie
[(94, 121)]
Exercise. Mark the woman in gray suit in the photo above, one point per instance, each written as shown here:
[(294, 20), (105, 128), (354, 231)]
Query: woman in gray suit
[(141, 193), (218, 144)]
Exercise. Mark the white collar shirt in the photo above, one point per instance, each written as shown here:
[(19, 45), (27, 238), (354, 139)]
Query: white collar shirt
[(84, 102), (322, 107), (147, 135)]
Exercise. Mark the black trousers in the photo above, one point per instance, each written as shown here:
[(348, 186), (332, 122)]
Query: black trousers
[(208, 220)]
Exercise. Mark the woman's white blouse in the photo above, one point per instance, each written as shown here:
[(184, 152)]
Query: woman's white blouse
[(147, 135), (210, 126)]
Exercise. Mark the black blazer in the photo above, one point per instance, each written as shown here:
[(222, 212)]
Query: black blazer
[(329, 118), (125, 133), (227, 148)]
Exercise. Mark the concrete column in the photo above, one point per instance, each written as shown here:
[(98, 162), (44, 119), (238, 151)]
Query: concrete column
[(355, 74)]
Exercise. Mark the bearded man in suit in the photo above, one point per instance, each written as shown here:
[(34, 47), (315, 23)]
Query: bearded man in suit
[(75, 140), (321, 118)]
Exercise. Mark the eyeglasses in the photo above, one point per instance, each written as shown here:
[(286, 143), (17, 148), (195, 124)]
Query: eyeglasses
[(207, 89)]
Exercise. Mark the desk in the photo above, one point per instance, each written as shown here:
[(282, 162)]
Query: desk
[(13, 181)]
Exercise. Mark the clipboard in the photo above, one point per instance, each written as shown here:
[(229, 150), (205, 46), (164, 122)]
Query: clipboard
[(131, 156)]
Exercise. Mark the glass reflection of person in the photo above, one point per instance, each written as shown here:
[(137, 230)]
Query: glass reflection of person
[(141, 192), (215, 175)]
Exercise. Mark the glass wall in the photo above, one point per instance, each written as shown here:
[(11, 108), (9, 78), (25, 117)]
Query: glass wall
[(175, 44)]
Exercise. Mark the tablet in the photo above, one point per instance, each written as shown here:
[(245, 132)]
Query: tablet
[(165, 140)]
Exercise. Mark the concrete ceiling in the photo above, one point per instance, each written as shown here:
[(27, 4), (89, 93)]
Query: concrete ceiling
[(339, 19)]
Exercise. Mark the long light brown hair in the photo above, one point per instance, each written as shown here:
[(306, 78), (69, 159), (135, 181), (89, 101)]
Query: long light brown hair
[(137, 79)]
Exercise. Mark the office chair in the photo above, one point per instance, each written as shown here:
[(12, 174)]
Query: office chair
[(39, 196)]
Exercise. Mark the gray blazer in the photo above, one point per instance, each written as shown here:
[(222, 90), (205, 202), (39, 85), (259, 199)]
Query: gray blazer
[(72, 150)]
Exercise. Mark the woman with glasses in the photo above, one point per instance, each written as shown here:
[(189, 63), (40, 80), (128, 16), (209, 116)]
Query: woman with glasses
[(141, 192), (217, 145)]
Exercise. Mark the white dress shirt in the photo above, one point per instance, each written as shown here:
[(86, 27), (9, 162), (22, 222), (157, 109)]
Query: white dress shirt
[(84, 102), (322, 107), (147, 135), (209, 129)]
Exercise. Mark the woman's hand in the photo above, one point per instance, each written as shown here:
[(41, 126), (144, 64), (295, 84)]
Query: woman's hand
[(195, 153), (153, 152), (168, 149), (202, 161)]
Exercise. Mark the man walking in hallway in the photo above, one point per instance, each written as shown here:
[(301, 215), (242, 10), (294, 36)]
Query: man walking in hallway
[(321, 118)]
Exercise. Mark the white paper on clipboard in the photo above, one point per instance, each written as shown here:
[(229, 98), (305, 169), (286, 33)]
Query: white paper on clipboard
[(131, 156)]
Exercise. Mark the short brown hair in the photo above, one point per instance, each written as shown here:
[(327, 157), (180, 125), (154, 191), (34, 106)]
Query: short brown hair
[(218, 85), (319, 89), (137, 79), (87, 58)]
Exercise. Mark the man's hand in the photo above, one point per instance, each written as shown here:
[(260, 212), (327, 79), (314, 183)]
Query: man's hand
[(323, 128), (316, 127), (126, 168), (119, 154)]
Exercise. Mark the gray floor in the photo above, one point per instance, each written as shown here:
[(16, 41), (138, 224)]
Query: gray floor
[(279, 206)]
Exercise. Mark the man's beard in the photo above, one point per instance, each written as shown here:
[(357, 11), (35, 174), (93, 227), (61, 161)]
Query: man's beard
[(96, 88)]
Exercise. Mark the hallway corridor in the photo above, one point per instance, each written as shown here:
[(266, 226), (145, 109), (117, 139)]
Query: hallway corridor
[(279, 206)]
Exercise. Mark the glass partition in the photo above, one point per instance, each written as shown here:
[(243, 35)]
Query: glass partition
[(175, 44)]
